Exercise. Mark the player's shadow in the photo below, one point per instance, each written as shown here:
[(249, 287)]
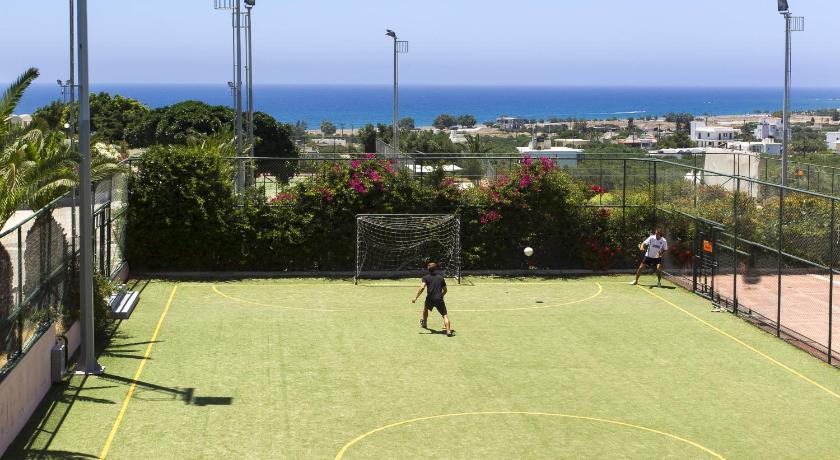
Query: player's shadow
[(436, 332), (653, 286)]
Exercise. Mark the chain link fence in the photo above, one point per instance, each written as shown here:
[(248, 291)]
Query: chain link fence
[(38, 253)]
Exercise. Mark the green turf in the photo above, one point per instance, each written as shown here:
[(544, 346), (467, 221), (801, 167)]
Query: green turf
[(300, 368)]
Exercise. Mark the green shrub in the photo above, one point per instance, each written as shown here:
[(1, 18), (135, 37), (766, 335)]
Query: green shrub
[(181, 207)]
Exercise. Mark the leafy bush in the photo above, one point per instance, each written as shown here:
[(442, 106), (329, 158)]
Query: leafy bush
[(102, 289), (180, 213)]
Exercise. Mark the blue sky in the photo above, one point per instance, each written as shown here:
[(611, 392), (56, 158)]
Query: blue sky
[(488, 42)]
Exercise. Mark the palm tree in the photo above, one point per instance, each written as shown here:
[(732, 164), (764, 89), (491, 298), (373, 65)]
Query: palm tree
[(474, 145), (10, 99), (36, 167)]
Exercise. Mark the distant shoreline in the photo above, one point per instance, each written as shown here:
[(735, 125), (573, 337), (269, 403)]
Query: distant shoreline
[(357, 105)]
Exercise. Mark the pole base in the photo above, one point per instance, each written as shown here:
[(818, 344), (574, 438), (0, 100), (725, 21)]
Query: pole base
[(98, 369)]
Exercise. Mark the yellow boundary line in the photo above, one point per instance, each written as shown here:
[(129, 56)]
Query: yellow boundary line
[(136, 378), (744, 344), (455, 310), (347, 446)]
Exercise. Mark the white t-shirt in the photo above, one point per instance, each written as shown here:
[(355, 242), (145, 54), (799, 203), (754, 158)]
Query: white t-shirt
[(655, 247)]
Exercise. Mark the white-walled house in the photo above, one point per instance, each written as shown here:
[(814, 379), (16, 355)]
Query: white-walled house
[(833, 141), (22, 120), (766, 146), (511, 123), (769, 128), (712, 136)]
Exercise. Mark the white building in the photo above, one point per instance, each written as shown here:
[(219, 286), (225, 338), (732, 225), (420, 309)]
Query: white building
[(510, 123), (712, 136), (22, 121), (833, 141), (539, 147), (766, 147), (769, 128)]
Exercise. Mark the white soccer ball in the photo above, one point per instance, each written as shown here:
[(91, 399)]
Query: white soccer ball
[(529, 251)]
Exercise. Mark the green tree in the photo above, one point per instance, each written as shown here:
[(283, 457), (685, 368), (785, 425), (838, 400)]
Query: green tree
[(111, 114), (36, 166), (474, 145), (678, 140), (178, 124), (367, 137), (274, 139), (299, 129), (327, 128), (466, 120), (444, 121), (747, 131), (51, 116), (406, 123)]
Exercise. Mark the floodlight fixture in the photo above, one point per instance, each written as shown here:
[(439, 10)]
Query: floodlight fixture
[(783, 6)]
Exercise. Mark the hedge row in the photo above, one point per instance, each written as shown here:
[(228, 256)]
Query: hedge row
[(184, 216)]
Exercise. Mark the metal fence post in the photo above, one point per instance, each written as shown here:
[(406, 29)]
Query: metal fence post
[(779, 285), (20, 290), (624, 202), (654, 193), (735, 245), (831, 278)]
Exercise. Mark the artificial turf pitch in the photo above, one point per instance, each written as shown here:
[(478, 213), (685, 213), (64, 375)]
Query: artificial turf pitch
[(581, 368)]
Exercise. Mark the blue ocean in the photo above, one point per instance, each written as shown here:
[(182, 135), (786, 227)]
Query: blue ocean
[(357, 105)]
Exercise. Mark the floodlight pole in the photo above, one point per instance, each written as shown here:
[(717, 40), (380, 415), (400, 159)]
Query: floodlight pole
[(792, 24), (400, 46), (250, 76), (72, 82), (87, 359)]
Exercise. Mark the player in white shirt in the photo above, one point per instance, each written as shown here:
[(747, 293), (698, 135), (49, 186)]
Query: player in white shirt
[(653, 247)]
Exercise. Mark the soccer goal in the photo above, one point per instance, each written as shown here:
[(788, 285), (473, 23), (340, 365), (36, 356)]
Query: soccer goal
[(398, 244)]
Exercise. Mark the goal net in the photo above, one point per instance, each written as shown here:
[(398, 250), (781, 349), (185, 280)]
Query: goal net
[(392, 244)]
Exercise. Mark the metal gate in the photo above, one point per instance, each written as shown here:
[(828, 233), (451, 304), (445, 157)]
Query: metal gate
[(706, 259)]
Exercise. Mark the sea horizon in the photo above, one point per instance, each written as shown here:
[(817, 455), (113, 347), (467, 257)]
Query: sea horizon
[(359, 104)]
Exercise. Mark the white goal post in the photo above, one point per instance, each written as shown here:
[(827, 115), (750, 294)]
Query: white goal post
[(397, 244)]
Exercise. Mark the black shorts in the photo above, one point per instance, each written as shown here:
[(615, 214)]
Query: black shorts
[(436, 303), (651, 262)]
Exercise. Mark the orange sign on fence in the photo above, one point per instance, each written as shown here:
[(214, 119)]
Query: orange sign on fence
[(707, 246)]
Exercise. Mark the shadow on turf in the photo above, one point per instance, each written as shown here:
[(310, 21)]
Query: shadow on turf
[(436, 332)]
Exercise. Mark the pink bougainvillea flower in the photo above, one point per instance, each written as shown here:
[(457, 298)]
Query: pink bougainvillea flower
[(374, 176), (370, 156), (392, 161), (547, 163), (524, 182), (354, 164), (527, 160), (488, 217), (283, 197)]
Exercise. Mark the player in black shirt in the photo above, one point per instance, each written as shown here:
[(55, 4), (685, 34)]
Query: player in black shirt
[(435, 286)]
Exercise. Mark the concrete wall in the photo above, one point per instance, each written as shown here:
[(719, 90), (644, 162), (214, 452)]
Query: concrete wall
[(24, 388)]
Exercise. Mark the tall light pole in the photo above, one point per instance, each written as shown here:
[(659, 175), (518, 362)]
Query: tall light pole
[(72, 82), (235, 6), (250, 75), (792, 24), (400, 46), (87, 359)]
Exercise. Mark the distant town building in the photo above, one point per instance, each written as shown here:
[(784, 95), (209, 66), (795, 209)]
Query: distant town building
[(511, 123), (540, 147), (769, 129), (766, 147), (712, 136), (570, 142), (641, 142), (22, 120), (833, 141)]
